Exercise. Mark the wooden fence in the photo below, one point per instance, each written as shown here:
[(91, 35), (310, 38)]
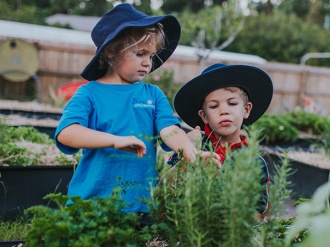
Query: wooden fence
[(295, 86)]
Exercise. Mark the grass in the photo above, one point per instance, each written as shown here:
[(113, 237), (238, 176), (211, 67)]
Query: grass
[(14, 230)]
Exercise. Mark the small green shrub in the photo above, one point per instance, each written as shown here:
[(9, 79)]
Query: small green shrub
[(288, 127), (308, 122), (11, 154), (14, 134), (275, 128), (16, 141), (99, 222)]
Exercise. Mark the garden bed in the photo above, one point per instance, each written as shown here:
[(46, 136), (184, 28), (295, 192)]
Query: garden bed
[(310, 169), (43, 117)]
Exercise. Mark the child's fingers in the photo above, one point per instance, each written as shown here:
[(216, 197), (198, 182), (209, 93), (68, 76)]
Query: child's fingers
[(140, 150), (198, 128), (214, 156)]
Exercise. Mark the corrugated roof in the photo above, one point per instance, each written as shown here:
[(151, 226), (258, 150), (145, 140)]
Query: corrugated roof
[(77, 22), (45, 33), (220, 55)]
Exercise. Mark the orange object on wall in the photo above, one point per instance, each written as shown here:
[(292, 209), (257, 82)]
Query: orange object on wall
[(68, 89)]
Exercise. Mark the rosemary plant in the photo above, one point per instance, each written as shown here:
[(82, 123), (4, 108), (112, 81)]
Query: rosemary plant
[(199, 205)]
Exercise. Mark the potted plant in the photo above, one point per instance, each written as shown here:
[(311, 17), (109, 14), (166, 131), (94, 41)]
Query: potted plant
[(30, 168)]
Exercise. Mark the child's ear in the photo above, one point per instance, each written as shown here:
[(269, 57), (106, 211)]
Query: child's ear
[(247, 110), (203, 117), (110, 55)]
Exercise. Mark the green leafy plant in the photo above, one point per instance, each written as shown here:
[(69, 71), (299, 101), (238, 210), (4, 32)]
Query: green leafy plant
[(11, 154), (307, 122), (16, 141), (275, 128), (97, 222), (288, 127), (12, 134), (322, 126)]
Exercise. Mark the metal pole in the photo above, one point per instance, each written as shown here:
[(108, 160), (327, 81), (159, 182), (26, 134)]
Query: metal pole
[(307, 56)]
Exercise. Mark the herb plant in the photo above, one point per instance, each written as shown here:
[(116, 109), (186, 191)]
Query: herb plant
[(199, 205), (97, 222)]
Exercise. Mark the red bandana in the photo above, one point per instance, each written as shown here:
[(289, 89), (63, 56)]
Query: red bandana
[(217, 146)]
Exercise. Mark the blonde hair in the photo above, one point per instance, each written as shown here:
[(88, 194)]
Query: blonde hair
[(243, 93), (232, 89), (131, 37)]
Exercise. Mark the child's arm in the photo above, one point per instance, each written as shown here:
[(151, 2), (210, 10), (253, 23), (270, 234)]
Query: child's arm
[(176, 139), (78, 136)]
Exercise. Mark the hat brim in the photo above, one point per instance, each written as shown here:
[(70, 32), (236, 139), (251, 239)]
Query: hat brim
[(172, 30), (254, 81)]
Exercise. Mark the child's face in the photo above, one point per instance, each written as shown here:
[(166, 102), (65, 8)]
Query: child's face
[(224, 111), (134, 63)]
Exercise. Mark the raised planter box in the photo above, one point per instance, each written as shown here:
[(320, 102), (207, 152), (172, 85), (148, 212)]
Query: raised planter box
[(23, 187), (305, 179), (11, 243)]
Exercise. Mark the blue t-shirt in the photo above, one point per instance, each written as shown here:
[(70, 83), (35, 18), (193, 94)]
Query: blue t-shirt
[(141, 110)]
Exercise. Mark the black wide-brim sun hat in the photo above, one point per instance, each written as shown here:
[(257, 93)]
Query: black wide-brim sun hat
[(257, 84), (124, 16)]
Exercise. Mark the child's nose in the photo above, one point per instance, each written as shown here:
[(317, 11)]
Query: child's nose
[(147, 62), (223, 111)]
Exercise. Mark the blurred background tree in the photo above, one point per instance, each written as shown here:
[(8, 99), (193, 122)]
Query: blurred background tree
[(279, 31)]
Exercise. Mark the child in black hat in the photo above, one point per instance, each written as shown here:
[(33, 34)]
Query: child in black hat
[(219, 102), (116, 118)]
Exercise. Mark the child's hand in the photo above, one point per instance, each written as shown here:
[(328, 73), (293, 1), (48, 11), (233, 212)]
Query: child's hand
[(191, 155), (214, 156), (130, 144)]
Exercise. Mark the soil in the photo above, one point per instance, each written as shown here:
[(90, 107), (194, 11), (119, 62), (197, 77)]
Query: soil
[(315, 157), (318, 158), (32, 106), (17, 120)]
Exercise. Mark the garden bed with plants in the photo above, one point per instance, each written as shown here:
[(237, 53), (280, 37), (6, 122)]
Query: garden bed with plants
[(303, 138), (31, 167), (299, 135), (43, 117), (193, 208)]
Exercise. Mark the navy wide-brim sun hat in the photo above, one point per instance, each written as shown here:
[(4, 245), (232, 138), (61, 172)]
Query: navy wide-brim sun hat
[(257, 84), (125, 16)]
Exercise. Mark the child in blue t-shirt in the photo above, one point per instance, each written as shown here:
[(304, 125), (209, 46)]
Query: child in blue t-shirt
[(116, 118)]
